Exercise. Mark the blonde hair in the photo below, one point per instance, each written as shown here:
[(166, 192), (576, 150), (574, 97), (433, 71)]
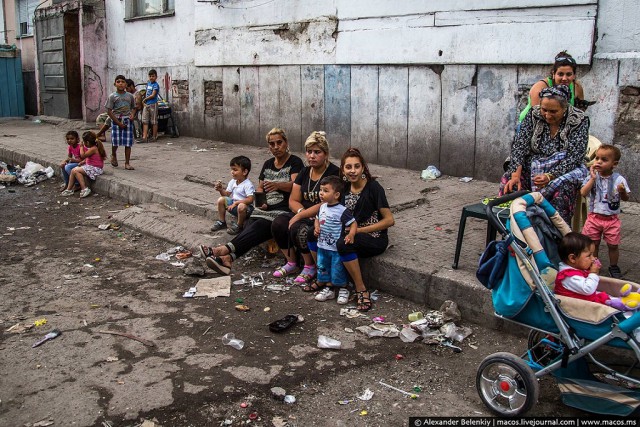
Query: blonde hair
[(277, 131), (318, 138)]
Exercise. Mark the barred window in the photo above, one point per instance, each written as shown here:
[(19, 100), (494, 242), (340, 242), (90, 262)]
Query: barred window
[(149, 8)]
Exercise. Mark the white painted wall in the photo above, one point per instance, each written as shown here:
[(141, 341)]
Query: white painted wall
[(618, 29)]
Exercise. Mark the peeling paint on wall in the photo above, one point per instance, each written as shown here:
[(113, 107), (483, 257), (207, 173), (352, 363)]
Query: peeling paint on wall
[(93, 88)]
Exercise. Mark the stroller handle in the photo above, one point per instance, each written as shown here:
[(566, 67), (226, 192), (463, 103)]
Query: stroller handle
[(493, 218)]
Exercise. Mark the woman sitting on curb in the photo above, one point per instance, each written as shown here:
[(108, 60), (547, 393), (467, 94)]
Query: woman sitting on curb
[(295, 226), (366, 199), (275, 180)]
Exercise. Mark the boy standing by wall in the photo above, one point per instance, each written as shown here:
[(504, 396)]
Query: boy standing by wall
[(605, 188), (150, 110), (121, 108)]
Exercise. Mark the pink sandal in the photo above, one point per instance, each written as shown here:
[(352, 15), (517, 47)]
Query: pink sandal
[(285, 270), (307, 274)]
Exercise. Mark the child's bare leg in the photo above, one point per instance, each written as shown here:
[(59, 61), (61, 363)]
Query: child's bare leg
[(289, 254), (614, 254), (308, 259), (222, 208), (127, 157), (242, 214), (79, 175), (155, 132), (597, 248), (114, 155), (72, 179), (145, 131)]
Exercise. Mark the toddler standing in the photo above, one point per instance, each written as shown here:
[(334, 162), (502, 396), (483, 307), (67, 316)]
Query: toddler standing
[(237, 199), (332, 219), (605, 188), (73, 155)]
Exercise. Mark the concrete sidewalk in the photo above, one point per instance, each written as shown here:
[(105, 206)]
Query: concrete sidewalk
[(173, 199)]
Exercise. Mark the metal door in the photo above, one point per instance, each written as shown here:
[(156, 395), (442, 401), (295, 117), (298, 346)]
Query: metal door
[(11, 87)]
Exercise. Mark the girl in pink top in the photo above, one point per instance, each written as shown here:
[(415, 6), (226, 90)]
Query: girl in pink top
[(73, 155), (92, 152)]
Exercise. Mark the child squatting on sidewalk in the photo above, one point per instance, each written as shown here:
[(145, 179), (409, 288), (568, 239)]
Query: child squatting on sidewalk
[(237, 199), (605, 188), (330, 225), (93, 154), (578, 275)]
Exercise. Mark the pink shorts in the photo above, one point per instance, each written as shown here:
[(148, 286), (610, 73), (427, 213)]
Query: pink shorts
[(600, 226)]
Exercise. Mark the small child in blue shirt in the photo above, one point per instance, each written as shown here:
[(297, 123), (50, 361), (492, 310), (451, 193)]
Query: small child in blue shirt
[(150, 109), (330, 225)]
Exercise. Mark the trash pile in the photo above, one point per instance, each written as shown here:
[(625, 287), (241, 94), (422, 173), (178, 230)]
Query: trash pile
[(431, 172), (435, 327), (32, 174), (179, 252)]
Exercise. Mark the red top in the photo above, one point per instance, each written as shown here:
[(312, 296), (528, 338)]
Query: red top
[(599, 297)]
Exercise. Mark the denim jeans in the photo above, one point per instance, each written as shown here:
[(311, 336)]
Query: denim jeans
[(66, 171)]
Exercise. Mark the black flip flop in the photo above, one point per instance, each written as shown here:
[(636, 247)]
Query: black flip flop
[(283, 324), (215, 263)]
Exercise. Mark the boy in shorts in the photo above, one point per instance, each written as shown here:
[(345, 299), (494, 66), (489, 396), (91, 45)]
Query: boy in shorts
[(237, 199), (121, 108), (150, 107), (605, 188)]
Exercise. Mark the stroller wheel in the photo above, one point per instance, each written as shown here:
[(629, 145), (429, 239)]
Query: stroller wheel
[(507, 385)]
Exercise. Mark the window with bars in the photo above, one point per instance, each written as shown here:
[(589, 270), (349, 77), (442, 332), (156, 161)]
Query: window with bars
[(149, 8), (24, 17)]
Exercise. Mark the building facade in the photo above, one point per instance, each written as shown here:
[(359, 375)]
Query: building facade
[(410, 83)]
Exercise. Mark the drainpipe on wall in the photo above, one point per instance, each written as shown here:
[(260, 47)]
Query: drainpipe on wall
[(35, 51)]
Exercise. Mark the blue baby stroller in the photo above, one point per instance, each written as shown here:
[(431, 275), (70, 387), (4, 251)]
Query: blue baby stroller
[(565, 332)]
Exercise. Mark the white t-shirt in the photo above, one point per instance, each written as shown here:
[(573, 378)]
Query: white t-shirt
[(242, 190), (599, 194)]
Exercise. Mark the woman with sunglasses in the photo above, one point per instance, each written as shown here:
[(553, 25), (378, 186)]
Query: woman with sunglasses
[(276, 181), (547, 155), (291, 229), (563, 72)]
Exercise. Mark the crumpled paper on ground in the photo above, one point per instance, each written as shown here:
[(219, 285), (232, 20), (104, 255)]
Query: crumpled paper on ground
[(386, 330)]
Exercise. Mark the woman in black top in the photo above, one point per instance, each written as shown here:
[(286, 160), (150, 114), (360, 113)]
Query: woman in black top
[(276, 181), (290, 230), (366, 198)]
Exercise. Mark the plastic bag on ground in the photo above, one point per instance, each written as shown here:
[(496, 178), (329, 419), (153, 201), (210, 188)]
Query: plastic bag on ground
[(431, 172)]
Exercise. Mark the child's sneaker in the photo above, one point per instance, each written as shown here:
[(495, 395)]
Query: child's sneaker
[(325, 294), (218, 225), (614, 271), (85, 193), (67, 193), (343, 296), (234, 229)]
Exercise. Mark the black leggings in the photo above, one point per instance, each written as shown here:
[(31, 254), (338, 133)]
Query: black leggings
[(257, 230), (364, 246), (297, 234)]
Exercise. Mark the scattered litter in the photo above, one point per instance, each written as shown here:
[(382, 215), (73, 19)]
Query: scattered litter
[(212, 288), (231, 340), (93, 217), (110, 226), (244, 404), (364, 412), (276, 288), (199, 150), (411, 395), (183, 254), (163, 257), (352, 313), (132, 337), (466, 179), (239, 300), (289, 399), (88, 265), (278, 393), (19, 328), (450, 312), (242, 307), (408, 335), (345, 402), (366, 395), (253, 416), (326, 342), (387, 330), (178, 264), (112, 359), (17, 228), (448, 343), (32, 174), (149, 423), (398, 357), (475, 347), (415, 316), (349, 330), (431, 172), (279, 422), (266, 309), (43, 423), (207, 330), (241, 282), (456, 333), (158, 276), (40, 322), (51, 335), (417, 389), (190, 293), (285, 323), (379, 319)]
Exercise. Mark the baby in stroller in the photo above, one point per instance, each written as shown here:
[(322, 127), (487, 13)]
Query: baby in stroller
[(578, 273)]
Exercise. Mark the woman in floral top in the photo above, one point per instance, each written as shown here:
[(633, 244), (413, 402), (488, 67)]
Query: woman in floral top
[(548, 153)]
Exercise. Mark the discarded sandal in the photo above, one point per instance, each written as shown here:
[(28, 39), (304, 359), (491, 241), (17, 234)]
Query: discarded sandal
[(283, 324), (215, 263), (363, 301)]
